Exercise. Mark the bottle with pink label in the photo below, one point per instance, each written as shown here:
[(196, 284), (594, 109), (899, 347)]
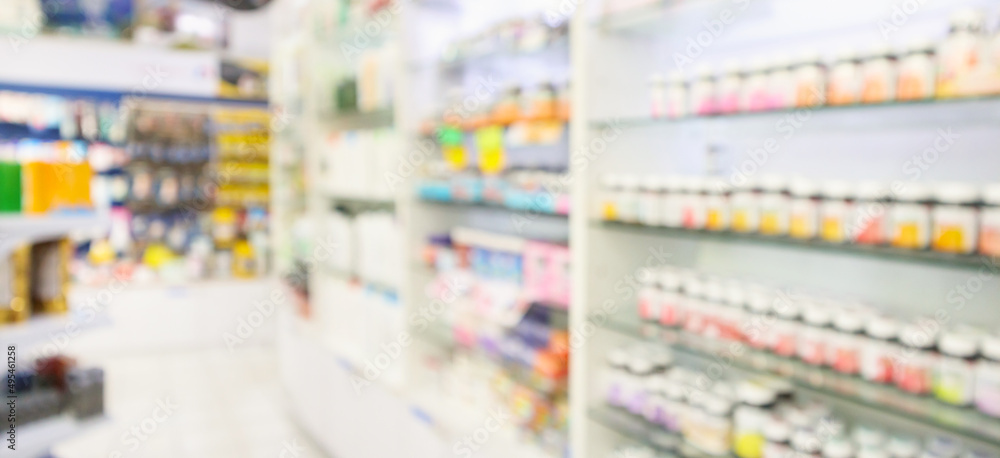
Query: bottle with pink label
[(754, 94), (844, 87), (989, 237), (703, 92), (730, 88)]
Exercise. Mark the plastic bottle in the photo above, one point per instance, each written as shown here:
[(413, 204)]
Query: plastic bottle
[(652, 189), (670, 298), (730, 88), (955, 374), (756, 402), (987, 393), (745, 205), (809, 75), (804, 209), (955, 218), (989, 231), (844, 87), (917, 72), (703, 92), (879, 76), (781, 84), (755, 88), (910, 217), (717, 194), (835, 211), (960, 56), (871, 206), (878, 351), (774, 206), (815, 337)]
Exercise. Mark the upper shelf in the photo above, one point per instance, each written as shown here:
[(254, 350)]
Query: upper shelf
[(882, 252), (20, 228), (982, 111)]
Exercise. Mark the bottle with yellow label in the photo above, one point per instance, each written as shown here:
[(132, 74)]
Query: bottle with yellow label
[(835, 211), (609, 198), (774, 206), (804, 209), (960, 56), (745, 208), (910, 217), (717, 193), (955, 218)]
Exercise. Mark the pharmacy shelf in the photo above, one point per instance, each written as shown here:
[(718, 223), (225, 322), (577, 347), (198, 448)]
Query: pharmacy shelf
[(639, 430), (36, 439), (21, 228), (932, 113), (465, 204), (41, 328), (846, 249), (824, 383), (556, 47)]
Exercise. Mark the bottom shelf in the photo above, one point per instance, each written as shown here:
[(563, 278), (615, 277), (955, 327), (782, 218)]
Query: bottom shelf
[(641, 431), (36, 439)]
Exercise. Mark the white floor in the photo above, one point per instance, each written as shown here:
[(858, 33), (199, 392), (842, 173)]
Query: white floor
[(212, 404)]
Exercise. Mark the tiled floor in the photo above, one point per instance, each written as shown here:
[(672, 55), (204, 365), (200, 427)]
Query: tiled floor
[(210, 404)]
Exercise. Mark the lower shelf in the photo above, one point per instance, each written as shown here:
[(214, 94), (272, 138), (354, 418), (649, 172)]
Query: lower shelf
[(36, 439), (880, 400), (641, 431)]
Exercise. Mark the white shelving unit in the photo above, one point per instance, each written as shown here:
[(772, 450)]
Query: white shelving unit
[(611, 56)]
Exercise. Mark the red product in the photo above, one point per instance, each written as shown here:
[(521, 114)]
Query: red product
[(879, 351), (814, 338), (915, 368)]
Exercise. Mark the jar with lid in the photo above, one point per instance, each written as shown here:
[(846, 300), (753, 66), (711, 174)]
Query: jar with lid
[(955, 375), (703, 101), (640, 370), (713, 433), (780, 84), (902, 447), (989, 231), (717, 205), (845, 79), (650, 208), (804, 209), (878, 76), (616, 377), (673, 390), (777, 435), (961, 54), (730, 88), (656, 401), (658, 95), (915, 371), (693, 210), (628, 199), (878, 351), (755, 407), (910, 217), (754, 95), (670, 298), (838, 447), (835, 211), (612, 185), (755, 330), (671, 201), (787, 329), (649, 296), (809, 75), (815, 336), (774, 206), (847, 342), (745, 208), (691, 303), (955, 218), (806, 444), (916, 72), (987, 393), (676, 103), (868, 226)]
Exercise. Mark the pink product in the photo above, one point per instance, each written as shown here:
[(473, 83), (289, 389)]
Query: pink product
[(649, 303), (562, 204), (671, 313), (559, 275), (536, 271), (784, 338)]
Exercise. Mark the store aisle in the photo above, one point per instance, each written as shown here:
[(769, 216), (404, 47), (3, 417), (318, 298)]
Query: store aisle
[(209, 403)]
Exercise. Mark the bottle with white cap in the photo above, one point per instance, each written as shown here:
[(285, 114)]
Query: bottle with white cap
[(880, 349), (780, 83), (616, 377), (754, 95), (816, 335), (673, 196), (745, 207), (774, 205), (878, 76), (693, 209), (955, 375), (809, 75), (715, 434), (915, 373), (778, 436), (649, 296), (730, 88), (845, 79), (676, 96), (703, 101), (961, 54), (835, 211), (987, 393), (844, 355), (670, 297), (658, 95), (871, 206), (955, 218), (717, 192), (989, 230), (691, 301), (652, 189), (804, 208), (910, 217), (628, 199), (612, 187), (917, 72), (756, 402)]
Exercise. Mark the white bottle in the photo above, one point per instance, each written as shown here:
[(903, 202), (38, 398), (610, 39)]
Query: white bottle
[(961, 54), (703, 100)]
